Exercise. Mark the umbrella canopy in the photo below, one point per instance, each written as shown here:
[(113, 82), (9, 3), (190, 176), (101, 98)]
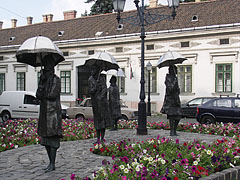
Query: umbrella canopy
[(170, 58), (34, 49), (103, 60), (118, 73)]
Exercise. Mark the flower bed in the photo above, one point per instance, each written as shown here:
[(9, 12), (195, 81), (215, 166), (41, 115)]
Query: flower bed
[(18, 133), (165, 159)]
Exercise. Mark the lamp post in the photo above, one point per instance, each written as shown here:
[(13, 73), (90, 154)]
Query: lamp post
[(149, 68), (144, 19)]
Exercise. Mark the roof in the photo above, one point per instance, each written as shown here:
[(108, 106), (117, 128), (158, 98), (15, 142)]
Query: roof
[(213, 12)]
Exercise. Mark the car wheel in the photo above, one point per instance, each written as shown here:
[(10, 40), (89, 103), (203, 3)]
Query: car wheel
[(5, 116), (124, 118), (207, 120), (80, 117)]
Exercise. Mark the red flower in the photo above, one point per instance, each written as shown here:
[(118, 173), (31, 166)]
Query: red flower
[(200, 168), (102, 149), (185, 143), (91, 149), (175, 178), (154, 146)]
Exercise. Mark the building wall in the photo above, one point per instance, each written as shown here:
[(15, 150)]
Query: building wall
[(203, 54)]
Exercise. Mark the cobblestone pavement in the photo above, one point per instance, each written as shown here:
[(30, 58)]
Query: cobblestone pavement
[(26, 163)]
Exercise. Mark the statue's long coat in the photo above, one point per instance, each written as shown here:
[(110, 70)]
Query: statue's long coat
[(50, 117), (172, 103), (100, 106), (114, 102)]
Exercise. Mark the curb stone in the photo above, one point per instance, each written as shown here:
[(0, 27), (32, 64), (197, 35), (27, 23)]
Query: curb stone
[(227, 174)]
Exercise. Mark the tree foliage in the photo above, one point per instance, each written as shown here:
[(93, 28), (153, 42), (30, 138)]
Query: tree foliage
[(100, 6)]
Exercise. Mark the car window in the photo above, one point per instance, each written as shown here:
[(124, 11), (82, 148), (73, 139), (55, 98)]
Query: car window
[(88, 103), (195, 102), (237, 103), (206, 100), (28, 99), (222, 103)]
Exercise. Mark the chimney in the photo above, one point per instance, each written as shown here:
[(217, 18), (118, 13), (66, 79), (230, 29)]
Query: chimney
[(153, 3), (49, 17), (1, 23), (69, 14), (44, 18), (14, 23), (29, 20)]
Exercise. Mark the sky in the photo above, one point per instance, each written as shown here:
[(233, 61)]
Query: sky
[(21, 9)]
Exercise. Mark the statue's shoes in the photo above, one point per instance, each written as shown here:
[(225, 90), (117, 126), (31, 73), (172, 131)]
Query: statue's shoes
[(51, 168)]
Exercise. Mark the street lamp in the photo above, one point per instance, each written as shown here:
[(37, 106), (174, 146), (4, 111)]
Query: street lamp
[(149, 69), (144, 19)]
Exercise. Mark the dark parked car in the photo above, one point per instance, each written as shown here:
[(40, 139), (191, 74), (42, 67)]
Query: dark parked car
[(223, 109), (189, 109)]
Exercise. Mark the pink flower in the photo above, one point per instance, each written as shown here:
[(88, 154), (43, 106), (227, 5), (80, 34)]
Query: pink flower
[(73, 176), (124, 178)]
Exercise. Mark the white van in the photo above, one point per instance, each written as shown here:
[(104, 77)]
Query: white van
[(18, 104)]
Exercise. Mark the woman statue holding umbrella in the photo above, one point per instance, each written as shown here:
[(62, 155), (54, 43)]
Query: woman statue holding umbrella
[(172, 105), (98, 92), (50, 118), (41, 51)]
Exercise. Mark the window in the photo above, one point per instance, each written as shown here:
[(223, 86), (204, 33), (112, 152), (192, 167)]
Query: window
[(1, 58), (223, 103), (237, 103), (223, 78), (195, 18), (90, 52), (28, 99), (153, 80), (185, 78), (2, 82), (224, 41), (65, 82), (150, 47), (119, 49), (185, 44), (66, 53), (20, 81), (121, 83)]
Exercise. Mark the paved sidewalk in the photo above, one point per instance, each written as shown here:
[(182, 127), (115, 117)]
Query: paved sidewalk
[(73, 157)]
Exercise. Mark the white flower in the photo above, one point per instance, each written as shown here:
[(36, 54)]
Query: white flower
[(195, 163), (137, 168), (231, 165), (163, 161), (4, 145), (145, 158), (209, 152), (198, 159), (237, 157), (150, 158), (121, 166), (126, 170), (16, 146), (144, 151)]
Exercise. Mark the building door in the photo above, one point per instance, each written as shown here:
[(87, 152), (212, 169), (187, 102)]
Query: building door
[(83, 75)]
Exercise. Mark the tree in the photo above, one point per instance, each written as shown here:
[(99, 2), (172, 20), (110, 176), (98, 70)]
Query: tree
[(100, 6)]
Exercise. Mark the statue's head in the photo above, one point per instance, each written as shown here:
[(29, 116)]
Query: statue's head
[(172, 70), (95, 70), (113, 80), (48, 63)]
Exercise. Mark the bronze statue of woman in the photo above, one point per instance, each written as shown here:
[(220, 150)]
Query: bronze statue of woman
[(50, 117), (172, 104)]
